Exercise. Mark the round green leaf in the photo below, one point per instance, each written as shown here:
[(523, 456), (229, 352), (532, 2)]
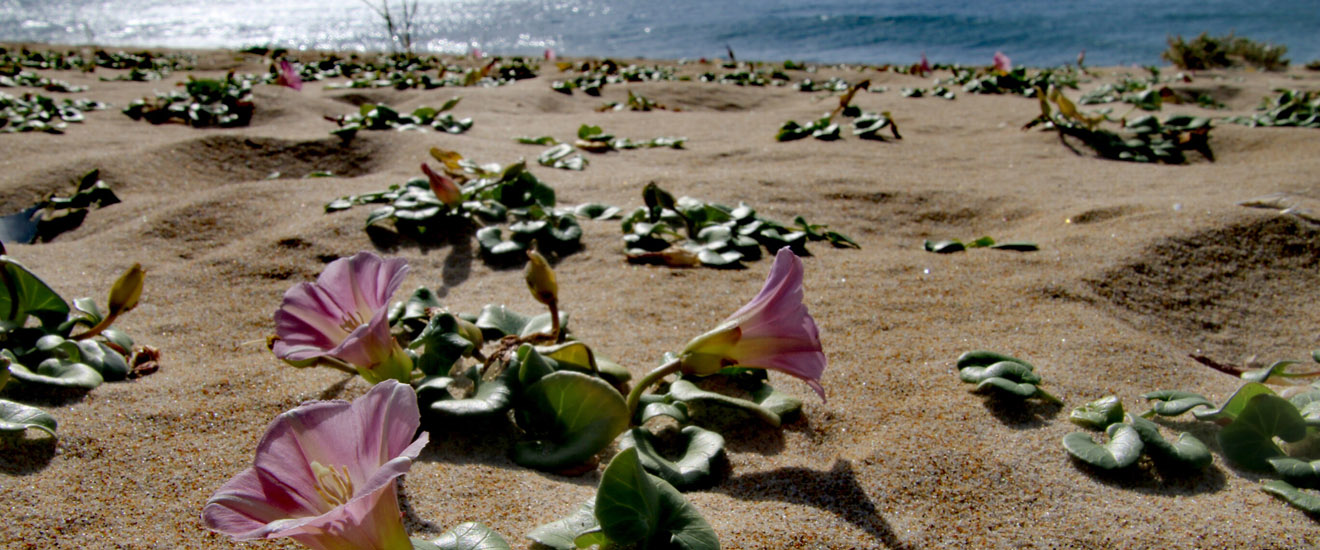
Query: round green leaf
[(1235, 404), (1302, 500), (17, 417), (1011, 370), (491, 399), (1301, 473), (1005, 386), (580, 415), (561, 533), (682, 522), (59, 373), (693, 469), (1187, 449), (983, 358), (1098, 414), (1249, 440), (1123, 449), (22, 294), (767, 404), (627, 501), (1174, 402)]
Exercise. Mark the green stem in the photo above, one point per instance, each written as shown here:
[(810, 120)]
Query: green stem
[(104, 324), (651, 378)]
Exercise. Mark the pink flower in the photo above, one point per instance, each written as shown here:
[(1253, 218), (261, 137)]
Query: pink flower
[(343, 316), (288, 76), (444, 188), (549, 54), (325, 475), (477, 53), (1002, 62), (923, 68), (773, 331)]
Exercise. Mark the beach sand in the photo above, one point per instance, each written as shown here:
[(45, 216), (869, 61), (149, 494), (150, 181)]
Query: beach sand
[(1139, 267)]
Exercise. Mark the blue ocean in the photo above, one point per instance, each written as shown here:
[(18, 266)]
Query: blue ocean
[(1031, 32)]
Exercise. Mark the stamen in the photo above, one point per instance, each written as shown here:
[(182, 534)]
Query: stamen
[(352, 321), (335, 487)]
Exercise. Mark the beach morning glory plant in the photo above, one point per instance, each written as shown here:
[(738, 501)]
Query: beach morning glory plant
[(773, 331), (325, 475), (341, 320)]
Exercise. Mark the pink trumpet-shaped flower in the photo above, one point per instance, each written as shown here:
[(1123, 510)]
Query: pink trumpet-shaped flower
[(773, 331), (549, 54), (288, 76), (343, 316), (1003, 63), (325, 475), (923, 68), (444, 187)]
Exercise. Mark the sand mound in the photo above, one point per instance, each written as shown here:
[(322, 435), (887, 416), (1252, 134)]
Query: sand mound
[(1243, 289)]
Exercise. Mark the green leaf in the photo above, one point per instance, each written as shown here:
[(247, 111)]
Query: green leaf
[(466, 536), (693, 469), (59, 373), (627, 501), (1187, 449), (17, 417), (1235, 404), (1122, 450), (1301, 473), (579, 415), (1174, 402), (532, 365), (596, 211), (1098, 414), (497, 322), (1017, 246), (945, 247), (1279, 368), (1011, 370), (1006, 387), (23, 294), (1306, 501), (983, 358), (490, 401), (443, 344), (1249, 440), (561, 533), (767, 404), (682, 522)]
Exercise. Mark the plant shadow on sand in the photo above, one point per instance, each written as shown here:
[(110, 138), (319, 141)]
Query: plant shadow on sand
[(22, 454), (835, 491), (1021, 414), (457, 265)]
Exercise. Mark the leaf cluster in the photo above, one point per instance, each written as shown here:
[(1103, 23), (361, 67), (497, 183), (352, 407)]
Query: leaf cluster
[(492, 195), (1215, 52), (1019, 81), (39, 351), (54, 215), (687, 232), (950, 246), (1000, 375), (1143, 139), (204, 102), (591, 76), (33, 80), (382, 117), (38, 113), (1295, 108), (11, 62)]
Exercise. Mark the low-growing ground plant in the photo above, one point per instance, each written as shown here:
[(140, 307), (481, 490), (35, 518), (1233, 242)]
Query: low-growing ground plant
[(1216, 52)]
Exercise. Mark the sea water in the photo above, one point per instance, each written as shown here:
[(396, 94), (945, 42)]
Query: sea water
[(1032, 32)]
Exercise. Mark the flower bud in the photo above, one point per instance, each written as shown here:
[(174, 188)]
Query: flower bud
[(444, 187), (541, 279), (470, 332), (127, 290)]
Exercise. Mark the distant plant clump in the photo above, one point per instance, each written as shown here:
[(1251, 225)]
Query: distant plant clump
[(204, 102), (1216, 52)]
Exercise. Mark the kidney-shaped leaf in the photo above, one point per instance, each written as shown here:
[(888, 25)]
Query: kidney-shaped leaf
[(1187, 449), (1098, 414), (1302, 473), (561, 533), (983, 358), (580, 415), (1235, 404), (490, 401), (22, 294), (769, 405), (627, 502), (1174, 402), (17, 417), (694, 469), (1298, 498), (59, 373), (1249, 440), (1011, 370), (1123, 449)]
